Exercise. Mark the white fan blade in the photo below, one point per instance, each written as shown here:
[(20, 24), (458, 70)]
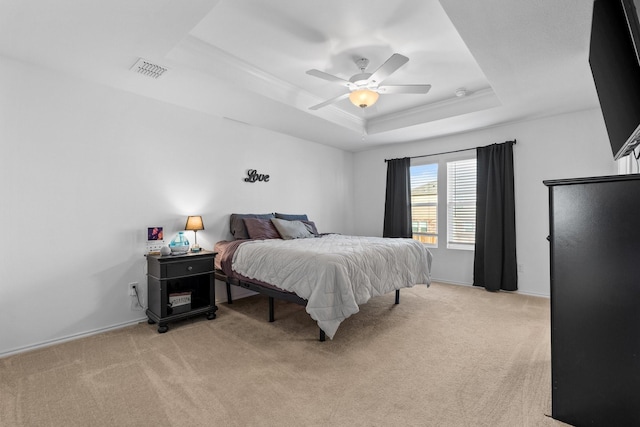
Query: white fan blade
[(331, 101), (329, 77), (393, 63), (404, 89)]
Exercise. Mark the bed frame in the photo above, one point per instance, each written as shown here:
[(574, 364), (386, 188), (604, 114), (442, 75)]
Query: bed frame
[(271, 293)]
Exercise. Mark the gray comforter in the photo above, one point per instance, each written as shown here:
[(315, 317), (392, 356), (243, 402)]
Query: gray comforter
[(335, 273)]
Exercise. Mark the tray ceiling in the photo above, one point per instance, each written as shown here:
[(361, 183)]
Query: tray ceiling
[(246, 60)]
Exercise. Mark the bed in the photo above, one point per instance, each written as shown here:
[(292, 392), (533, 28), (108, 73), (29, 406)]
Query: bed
[(283, 256)]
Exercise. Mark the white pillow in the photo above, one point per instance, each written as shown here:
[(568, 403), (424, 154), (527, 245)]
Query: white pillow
[(291, 229)]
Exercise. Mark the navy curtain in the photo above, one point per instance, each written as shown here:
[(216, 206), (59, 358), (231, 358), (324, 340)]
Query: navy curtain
[(397, 205), (495, 265)]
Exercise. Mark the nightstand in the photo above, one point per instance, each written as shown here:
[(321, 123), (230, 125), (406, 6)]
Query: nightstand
[(180, 286)]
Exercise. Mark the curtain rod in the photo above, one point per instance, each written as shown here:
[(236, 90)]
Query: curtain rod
[(454, 151)]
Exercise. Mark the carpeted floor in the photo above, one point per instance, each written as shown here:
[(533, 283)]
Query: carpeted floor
[(446, 356)]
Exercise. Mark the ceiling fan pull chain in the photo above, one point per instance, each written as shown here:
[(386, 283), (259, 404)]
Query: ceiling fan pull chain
[(364, 125)]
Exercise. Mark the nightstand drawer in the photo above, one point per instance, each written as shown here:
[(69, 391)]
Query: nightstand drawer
[(188, 267)]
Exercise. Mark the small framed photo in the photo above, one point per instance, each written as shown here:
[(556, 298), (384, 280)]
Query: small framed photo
[(155, 234), (155, 240)]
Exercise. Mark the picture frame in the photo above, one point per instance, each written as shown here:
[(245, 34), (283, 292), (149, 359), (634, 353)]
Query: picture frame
[(155, 240), (155, 234)]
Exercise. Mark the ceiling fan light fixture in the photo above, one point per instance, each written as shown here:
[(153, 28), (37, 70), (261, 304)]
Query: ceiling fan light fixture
[(365, 87), (363, 98)]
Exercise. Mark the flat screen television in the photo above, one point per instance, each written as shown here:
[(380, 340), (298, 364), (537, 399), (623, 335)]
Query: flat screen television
[(614, 57)]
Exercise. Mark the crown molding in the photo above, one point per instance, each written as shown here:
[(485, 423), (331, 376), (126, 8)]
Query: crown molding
[(201, 56), (476, 101)]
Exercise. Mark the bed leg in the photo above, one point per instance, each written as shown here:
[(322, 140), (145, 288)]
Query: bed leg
[(322, 336), (397, 296), (271, 310), (229, 299)]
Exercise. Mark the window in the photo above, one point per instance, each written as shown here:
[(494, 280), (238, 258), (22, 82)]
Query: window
[(458, 203), (461, 204), (424, 203)]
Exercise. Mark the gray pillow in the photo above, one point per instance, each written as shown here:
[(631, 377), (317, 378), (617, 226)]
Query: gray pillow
[(311, 226), (292, 217), (237, 227), (291, 229)]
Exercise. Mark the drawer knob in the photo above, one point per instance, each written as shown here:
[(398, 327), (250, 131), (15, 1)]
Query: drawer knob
[(190, 268)]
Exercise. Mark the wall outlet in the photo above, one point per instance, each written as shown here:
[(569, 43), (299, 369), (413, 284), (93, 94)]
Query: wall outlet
[(132, 288), (137, 298)]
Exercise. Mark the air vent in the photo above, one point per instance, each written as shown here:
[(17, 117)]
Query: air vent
[(148, 69)]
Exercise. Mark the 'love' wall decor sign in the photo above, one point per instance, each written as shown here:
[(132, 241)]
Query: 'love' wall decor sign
[(254, 176)]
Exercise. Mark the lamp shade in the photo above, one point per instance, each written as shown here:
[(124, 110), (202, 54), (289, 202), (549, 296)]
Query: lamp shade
[(194, 223), (363, 98)]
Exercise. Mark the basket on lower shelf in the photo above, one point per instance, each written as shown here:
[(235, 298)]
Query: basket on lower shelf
[(179, 302)]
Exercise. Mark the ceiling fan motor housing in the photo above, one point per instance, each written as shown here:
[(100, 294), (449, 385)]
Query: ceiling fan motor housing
[(360, 79)]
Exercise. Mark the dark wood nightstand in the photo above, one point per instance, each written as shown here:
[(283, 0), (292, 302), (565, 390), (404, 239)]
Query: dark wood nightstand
[(180, 286)]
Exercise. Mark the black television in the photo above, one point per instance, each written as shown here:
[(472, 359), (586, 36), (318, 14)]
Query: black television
[(614, 57)]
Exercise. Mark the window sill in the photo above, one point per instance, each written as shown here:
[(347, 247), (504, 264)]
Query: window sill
[(461, 247)]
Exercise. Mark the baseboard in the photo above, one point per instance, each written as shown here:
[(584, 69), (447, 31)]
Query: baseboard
[(533, 294), (239, 293), (449, 282), (71, 337)]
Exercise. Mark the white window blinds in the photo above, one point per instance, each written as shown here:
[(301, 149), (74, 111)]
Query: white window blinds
[(461, 204)]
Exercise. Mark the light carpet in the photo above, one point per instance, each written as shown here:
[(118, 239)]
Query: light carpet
[(445, 356)]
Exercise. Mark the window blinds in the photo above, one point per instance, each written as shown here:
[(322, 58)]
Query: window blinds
[(461, 203)]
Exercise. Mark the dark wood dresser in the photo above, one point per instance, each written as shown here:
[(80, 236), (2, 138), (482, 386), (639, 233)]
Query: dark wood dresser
[(595, 300)]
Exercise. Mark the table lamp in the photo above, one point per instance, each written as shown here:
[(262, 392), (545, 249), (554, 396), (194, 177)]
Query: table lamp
[(194, 223)]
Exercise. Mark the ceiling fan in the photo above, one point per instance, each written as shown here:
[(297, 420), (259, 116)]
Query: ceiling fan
[(364, 88)]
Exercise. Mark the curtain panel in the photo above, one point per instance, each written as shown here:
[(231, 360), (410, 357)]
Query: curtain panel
[(495, 263), (397, 205)]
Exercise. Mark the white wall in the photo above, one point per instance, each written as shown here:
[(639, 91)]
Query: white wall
[(85, 169), (565, 146)]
